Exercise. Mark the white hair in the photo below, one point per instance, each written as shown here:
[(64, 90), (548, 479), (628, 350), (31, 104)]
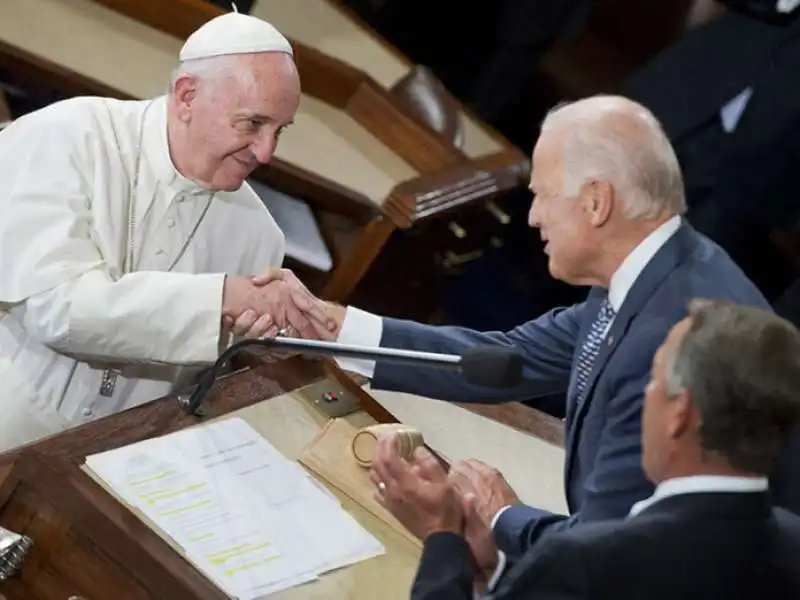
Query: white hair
[(616, 140), (211, 70)]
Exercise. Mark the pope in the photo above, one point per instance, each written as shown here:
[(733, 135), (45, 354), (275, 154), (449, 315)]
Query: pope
[(129, 237)]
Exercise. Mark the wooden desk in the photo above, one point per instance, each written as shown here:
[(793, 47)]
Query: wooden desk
[(87, 543)]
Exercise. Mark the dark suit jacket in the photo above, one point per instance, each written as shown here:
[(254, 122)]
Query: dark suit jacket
[(603, 474), (740, 184), (690, 547)]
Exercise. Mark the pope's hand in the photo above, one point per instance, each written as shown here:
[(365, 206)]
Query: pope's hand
[(324, 328), (253, 310)]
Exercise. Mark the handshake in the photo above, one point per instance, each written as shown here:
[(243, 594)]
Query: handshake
[(276, 300)]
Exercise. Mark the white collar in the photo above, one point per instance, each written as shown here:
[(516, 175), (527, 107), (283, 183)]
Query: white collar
[(701, 484), (155, 147), (625, 276)]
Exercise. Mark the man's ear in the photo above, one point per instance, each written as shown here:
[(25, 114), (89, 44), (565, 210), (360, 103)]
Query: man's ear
[(679, 415), (600, 197), (184, 94)]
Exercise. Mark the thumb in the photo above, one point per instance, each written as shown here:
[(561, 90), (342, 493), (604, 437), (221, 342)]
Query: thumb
[(301, 300), (469, 506), (267, 276)]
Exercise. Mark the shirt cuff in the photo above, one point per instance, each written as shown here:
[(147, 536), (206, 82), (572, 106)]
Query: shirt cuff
[(501, 556), (360, 328)]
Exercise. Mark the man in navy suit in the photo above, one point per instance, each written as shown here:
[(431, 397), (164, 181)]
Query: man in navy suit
[(720, 405), (608, 199)]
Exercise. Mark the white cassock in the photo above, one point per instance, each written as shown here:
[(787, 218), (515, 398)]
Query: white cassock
[(70, 304)]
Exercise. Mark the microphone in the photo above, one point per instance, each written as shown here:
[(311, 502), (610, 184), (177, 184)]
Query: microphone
[(485, 366)]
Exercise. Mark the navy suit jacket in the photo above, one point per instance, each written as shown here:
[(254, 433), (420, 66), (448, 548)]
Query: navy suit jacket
[(603, 474)]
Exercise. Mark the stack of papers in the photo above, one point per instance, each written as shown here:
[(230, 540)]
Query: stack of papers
[(252, 521), (304, 241)]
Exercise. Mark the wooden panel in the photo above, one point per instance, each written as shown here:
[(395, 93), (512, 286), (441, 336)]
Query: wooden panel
[(86, 544), (337, 32), (324, 77)]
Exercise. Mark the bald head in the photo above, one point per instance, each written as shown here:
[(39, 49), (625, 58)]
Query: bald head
[(616, 140)]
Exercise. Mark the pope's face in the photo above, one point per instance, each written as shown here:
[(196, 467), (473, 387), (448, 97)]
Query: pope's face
[(234, 123)]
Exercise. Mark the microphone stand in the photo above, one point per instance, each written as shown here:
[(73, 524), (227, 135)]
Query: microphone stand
[(191, 403)]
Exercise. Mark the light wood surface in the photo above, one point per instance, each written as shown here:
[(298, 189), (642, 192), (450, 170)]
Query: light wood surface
[(291, 423), (126, 55)]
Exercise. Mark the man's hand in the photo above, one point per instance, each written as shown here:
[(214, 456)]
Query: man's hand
[(479, 536), (255, 310), (489, 490), (418, 494), (325, 329)]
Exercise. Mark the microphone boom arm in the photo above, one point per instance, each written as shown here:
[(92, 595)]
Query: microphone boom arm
[(192, 402)]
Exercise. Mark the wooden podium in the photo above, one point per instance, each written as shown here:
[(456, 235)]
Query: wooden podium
[(362, 151), (89, 545)]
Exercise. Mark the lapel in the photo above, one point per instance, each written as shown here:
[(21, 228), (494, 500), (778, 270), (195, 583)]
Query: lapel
[(701, 72), (674, 252)]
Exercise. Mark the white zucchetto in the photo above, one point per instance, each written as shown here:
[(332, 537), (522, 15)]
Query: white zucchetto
[(234, 33)]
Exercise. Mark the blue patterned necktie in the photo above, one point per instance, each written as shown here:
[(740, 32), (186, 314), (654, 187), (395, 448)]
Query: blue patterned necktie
[(591, 345)]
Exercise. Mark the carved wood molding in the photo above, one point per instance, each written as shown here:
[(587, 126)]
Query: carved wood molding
[(373, 107), (42, 77)]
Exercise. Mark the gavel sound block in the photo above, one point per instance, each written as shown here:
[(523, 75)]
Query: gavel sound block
[(365, 442)]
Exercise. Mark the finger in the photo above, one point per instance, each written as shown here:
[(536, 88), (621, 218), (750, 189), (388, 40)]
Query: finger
[(393, 467), (312, 306), (244, 322), (260, 327), (374, 475), (227, 322), (473, 470), (300, 322), (268, 276), (379, 472), (468, 505), (322, 331), (427, 466)]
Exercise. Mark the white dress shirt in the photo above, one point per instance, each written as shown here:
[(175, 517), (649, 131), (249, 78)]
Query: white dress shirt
[(68, 310), (698, 484)]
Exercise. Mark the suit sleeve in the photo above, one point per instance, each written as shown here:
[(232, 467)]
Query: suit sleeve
[(547, 345), (558, 571), (616, 481), (446, 569)]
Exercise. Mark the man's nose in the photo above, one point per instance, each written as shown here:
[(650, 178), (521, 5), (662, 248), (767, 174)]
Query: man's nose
[(264, 148), (533, 215)]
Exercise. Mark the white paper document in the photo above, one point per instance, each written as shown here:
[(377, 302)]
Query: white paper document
[(304, 241), (251, 520)]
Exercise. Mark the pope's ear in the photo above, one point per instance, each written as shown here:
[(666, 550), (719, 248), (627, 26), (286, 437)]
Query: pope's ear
[(184, 92)]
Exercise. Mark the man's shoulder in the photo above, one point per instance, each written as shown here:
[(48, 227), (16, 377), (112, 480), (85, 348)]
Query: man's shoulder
[(617, 536), (74, 120), (78, 112), (708, 272)]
